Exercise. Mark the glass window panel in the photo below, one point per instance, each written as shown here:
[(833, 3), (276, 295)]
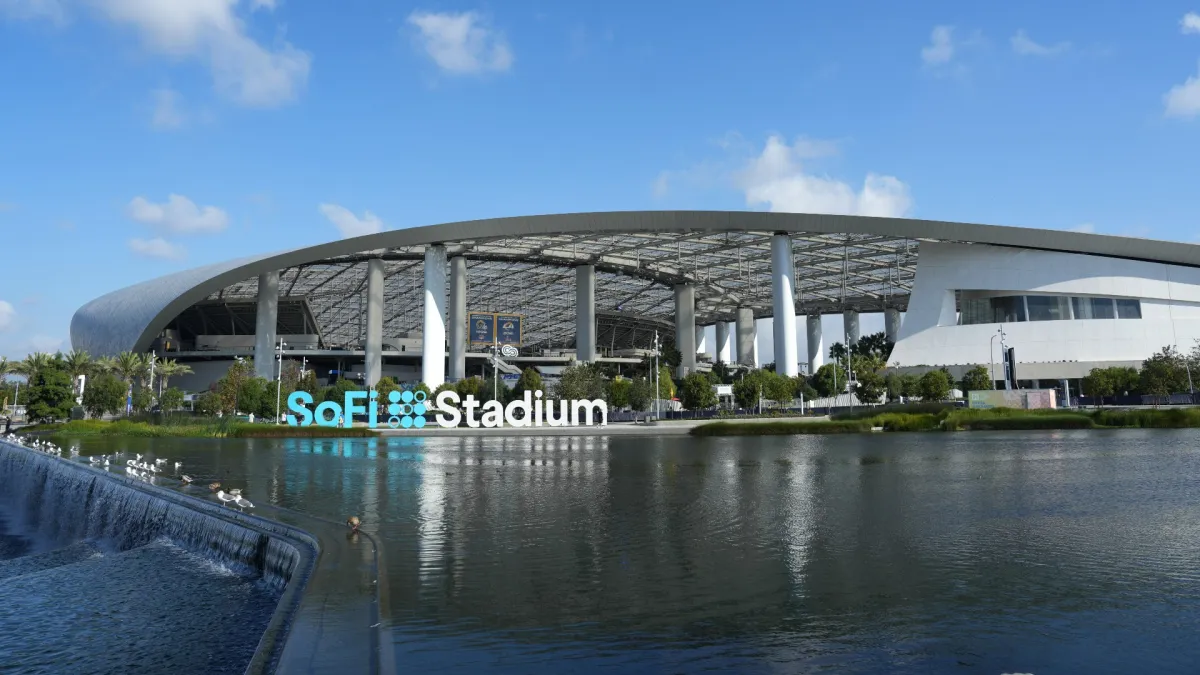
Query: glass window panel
[(1008, 309), (1082, 308), (1048, 307), (1129, 309), (976, 311), (1102, 308)]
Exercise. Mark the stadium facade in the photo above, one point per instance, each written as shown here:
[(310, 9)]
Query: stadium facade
[(429, 303)]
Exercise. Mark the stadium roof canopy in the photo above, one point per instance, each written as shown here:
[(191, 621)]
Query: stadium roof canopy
[(524, 265)]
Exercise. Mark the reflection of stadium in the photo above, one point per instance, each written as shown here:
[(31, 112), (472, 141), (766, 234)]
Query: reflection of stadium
[(599, 286)]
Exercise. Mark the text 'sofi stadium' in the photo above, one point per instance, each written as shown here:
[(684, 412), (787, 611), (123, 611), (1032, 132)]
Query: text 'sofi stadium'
[(427, 303)]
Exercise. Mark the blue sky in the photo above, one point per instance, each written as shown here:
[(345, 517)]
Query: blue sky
[(140, 137)]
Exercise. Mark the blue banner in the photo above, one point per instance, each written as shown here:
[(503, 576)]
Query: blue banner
[(481, 328), (508, 329)]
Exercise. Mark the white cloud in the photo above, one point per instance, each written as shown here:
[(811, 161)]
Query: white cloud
[(167, 114), (349, 224), (940, 49), (243, 70), (33, 9), (777, 179), (45, 343), (1183, 100), (8, 315), (157, 248), (268, 5), (461, 43), (1190, 23), (178, 215), (1086, 228), (1022, 44)]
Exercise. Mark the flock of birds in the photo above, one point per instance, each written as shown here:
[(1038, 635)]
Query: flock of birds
[(137, 467)]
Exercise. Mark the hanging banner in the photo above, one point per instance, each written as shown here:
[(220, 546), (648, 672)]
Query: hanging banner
[(508, 329), (482, 328)]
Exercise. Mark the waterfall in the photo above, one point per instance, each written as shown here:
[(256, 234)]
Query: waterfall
[(57, 503)]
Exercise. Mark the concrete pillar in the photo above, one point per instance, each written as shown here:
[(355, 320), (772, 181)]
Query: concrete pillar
[(585, 313), (265, 323), (724, 351), (433, 342), (701, 343), (685, 328), (816, 345), (783, 291), (851, 319), (373, 364), (458, 318), (747, 331), (891, 324)]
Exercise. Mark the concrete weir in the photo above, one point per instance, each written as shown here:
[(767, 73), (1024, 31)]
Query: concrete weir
[(65, 502)]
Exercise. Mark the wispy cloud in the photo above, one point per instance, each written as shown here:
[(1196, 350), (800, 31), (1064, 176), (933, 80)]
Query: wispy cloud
[(178, 215), (157, 248), (461, 43), (940, 49), (167, 113), (1025, 46), (1183, 100), (8, 316), (1190, 23), (349, 224)]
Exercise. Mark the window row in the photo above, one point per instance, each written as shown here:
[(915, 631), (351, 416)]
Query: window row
[(1016, 308)]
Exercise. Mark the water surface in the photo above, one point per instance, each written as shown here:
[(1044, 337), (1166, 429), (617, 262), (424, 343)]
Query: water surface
[(996, 552)]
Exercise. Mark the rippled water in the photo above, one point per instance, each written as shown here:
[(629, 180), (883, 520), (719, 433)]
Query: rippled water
[(973, 553)]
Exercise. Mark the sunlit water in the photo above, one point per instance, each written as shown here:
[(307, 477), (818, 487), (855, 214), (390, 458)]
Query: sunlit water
[(967, 553)]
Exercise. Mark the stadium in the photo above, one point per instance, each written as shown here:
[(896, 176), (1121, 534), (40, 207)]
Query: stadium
[(430, 303)]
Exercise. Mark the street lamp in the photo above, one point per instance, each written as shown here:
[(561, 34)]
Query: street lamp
[(279, 380), (992, 357), (237, 386)]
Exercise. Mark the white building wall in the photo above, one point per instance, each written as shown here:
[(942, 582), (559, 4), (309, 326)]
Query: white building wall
[(929, 334)]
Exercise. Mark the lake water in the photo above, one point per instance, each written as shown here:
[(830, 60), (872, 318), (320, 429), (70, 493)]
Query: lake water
[(1045, 552)]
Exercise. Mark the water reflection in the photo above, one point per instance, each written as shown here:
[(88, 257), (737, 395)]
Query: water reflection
[(901, 553)]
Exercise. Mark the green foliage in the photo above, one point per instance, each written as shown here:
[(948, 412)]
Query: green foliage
[(666, 385), (445, 386), (337, 392), (976, 379), (208, 404), (934, 386), (581, 382), (1098, 384), (722, 372), (171, 399), (491, 389), (104, 394), (141, 399), (618, 392), (641, 394), (385, 386), (530, 381), (670, 356), (1164, 373), (828, 381), (778, 388), (801, 388), (875, 346), (869, 385), (422, 387), (51, 395), (470, 386), (748, 389), (697, 392), (770, 385)]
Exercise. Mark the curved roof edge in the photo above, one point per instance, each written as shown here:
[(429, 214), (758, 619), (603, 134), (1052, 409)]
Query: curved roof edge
[(130, 318)]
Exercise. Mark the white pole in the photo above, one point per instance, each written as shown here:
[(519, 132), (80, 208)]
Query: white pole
[(279, 381), (153, 358)]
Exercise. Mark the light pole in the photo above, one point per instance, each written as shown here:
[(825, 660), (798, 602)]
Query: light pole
[(656, 383), (992, 356), (279, 380), (237, 386)]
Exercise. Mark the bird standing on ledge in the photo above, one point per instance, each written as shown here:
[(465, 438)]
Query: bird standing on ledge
[(353, 522)]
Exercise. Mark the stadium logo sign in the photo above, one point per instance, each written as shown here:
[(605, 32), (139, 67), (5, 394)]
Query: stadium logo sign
[(407, 410)]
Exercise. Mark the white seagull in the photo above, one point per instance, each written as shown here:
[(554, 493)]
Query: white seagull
[(225, 498)]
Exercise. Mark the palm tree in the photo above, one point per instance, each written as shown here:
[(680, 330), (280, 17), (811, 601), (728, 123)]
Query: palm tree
[(128, 366), (168, 368), (78, 362), (6, 367), (33, 364)]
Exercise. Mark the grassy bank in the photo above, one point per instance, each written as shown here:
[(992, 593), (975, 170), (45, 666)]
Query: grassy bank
[(963, 419), (203, 429)]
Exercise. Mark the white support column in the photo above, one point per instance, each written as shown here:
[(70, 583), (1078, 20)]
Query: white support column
[(458, 318), (891, 324), (685, 328), (701, 343), (783, 290), (264, 325), (850, 317), (585, 313), (433, 339), (373, 364), (816, 344), (747, 332), (724, 351)]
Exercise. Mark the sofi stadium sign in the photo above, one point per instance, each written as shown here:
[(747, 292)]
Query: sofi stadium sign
[(408, 409)]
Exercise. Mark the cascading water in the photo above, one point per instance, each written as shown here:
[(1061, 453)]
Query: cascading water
[(127, 546)]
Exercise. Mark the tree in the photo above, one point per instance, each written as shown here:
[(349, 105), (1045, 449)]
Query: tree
[(530, 381), (1098, 383), (778, 388), (1163, 374), (670, 356), (641, 394), (721, 370), (874, 345), (934, 386), (666, 385), (869, 386), (128, 366), (171, 399), (470, 386), (385, 386), (697, 392), (618, 392), (837, 352), (51, 395), (802, 389), (491, 389), (168, 368), (6, 368), (103, 394), (749, 388), (141, 399), (828, 380), (976, 379), (208, 404), (32, 366), (581, 382), (78, 362)]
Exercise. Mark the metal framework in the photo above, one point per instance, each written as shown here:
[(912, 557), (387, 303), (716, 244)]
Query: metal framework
[(635, 272)]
